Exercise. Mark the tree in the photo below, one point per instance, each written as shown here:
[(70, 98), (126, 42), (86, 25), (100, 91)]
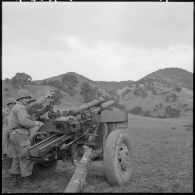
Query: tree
[(87, 92), (57, 96), (20, 80), (69, 82), (44, 82), (55, 83), (7, 81)]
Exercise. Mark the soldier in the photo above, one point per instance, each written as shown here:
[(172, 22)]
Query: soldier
[(20, 126), (35, 107), (5, 143)]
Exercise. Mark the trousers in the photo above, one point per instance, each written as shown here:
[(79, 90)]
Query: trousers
[(20, 141), (7, 146)]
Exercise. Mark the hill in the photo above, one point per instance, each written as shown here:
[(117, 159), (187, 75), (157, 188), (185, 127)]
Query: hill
[(164, 93), (172, 76), (113, 85), (39, 90), (81, 79)]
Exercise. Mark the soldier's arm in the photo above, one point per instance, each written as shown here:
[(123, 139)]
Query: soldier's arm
[(3, 114), (42, 111), (38, 103), (24, 120)]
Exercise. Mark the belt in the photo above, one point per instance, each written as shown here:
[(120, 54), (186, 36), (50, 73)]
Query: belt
[(20, 131)]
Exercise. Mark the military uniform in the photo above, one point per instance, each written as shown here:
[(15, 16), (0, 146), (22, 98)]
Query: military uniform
[(5, 116), (6, 145), (20, 124)]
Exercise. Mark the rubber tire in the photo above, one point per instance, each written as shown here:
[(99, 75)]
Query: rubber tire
[(44, 169), (111, 164)]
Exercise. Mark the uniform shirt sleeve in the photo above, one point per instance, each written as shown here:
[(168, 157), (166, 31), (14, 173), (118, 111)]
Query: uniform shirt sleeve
[(23, 118), (40, 101), (3, 114), (42, 111)]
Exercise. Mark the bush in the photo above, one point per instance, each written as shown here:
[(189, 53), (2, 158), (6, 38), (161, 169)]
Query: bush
[(57, 96), (139, 92), (171, 97), (172, 112), (125, 93), (120, 106), (54, 83), (6, 89), (7, 81), (146, 113), (69, 82), (87, 92), (44, 82), (136, 110), (20, 80)]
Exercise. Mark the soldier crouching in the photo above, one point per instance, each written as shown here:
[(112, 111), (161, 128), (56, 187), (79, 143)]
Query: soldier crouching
[(20, 125)]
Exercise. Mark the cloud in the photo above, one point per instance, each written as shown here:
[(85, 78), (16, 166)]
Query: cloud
[(102, 41), (99, 61)]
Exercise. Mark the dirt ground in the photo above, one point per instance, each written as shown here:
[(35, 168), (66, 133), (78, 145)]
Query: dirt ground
[(162, 158)]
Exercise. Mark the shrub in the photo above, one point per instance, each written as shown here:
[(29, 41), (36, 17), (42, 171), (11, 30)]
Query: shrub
[(57, 96), (69, 82), (125, 92), (136, 110), (88, 93), (20, 80), (44, 82), (172, 112), (6, 89), (171, 97), (139, 92)]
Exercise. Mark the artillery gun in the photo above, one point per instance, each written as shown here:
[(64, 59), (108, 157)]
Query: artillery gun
[(76, 133)]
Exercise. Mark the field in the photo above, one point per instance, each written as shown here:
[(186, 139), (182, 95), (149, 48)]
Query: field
[(163, 162)]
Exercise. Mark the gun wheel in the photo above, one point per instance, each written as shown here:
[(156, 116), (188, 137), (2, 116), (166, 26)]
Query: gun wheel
[(117, 158)]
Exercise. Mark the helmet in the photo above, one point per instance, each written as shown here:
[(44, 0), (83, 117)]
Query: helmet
[(11, 100), (22, 93), (32, 99)]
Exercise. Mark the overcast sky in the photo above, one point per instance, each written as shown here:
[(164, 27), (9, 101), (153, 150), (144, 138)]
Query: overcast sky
[(110, 41)]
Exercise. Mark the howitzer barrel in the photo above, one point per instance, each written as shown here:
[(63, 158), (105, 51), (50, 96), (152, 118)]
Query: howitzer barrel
[(86, 106), (103, 106)]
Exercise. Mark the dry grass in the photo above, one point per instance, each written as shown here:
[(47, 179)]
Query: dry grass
[(163, 162)]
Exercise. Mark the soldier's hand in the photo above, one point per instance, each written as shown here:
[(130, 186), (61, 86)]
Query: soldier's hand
[(4, 155), (50, 94), (47, 103), (39, 123)]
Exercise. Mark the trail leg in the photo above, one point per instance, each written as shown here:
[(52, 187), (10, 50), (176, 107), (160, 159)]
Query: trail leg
[(77, 181)]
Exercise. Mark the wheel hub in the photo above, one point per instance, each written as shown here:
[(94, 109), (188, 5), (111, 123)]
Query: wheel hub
[(124, 157)]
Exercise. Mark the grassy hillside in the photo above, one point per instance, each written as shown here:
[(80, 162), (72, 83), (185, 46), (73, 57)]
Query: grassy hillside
[(156, 99), (114, 85), (162, 158), (40, 90), (164, 93), (172, 75)]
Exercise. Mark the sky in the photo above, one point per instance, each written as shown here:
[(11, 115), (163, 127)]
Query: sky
[(104, 41)]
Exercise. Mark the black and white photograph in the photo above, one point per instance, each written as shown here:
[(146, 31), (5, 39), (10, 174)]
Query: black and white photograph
[(97, 97)]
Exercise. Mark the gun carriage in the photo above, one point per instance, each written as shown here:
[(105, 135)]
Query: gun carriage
[(76, 133)]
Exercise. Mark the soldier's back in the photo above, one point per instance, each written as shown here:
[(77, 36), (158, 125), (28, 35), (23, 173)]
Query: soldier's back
[(13, 120), (5, 116)]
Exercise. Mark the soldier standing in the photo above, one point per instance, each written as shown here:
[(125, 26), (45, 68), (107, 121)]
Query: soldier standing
[(20, 126), (6, 149), (35, 107)]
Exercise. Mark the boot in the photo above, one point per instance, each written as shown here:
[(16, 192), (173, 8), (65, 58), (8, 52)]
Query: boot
[(26, 180), (16, 179)]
